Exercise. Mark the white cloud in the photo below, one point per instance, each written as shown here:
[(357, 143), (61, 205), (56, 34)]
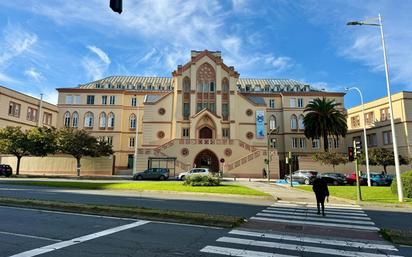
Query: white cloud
[(33, 74), (97, 65)]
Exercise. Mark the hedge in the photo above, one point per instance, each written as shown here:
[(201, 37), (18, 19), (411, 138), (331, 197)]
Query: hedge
[(406, 178), (201, 180)]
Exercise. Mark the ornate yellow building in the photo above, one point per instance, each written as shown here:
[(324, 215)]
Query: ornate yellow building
[(203, 115)]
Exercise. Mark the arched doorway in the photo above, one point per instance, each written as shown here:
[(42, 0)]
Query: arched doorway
[(205, 132), (207, 159)]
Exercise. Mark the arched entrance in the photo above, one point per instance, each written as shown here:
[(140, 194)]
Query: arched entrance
[(205, 132), (207, 159)]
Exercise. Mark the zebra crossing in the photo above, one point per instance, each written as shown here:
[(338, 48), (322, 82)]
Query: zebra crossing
[(255, 243)]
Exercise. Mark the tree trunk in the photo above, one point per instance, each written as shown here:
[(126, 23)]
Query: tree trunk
[(78, 166), (18, 165), (325, 142)]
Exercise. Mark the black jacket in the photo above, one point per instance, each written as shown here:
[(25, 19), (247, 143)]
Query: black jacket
[(320, 187)]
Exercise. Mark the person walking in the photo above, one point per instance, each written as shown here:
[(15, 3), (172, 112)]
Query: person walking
[(264, 173), (320, 187)]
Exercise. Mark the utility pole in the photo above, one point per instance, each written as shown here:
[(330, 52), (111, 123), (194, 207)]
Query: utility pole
[(289, 162), (40, 117)]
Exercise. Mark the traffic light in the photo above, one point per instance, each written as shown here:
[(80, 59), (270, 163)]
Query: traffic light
[(273, 142), (351, 154), (116, 6), (358, 145)]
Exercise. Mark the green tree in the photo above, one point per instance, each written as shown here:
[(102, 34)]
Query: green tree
[(384, 158), (323, 119), (15, 142), (329, 158), (80, 143), (42, 140)]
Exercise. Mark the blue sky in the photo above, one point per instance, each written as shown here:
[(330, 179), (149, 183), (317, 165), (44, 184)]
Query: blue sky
[(59, 43)]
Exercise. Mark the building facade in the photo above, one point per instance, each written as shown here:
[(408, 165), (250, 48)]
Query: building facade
[(25, 111), (205, 115), (378, 125)]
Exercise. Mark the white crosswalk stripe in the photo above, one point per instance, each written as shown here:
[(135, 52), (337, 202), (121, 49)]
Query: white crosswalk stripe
[(251, 243)]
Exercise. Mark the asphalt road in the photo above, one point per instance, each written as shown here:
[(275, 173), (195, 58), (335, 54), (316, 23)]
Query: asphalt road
[(26, 232), (241, 207)]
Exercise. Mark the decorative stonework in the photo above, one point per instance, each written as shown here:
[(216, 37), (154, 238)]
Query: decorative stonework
[(162, 111), (228, 152), (249, 135), (160, 134), (249, 112), (185, 152)]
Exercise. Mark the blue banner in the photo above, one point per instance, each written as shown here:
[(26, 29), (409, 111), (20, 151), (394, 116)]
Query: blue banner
[(260, 124)]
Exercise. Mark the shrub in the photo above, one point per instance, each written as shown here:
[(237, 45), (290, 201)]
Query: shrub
[(201, 180), (406, 178)]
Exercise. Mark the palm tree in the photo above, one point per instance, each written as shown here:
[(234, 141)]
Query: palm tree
[(323, 119)]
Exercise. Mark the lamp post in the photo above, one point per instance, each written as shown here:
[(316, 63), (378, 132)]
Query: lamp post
[(135, 139), (270, 132), (372, 22), (364, 134)]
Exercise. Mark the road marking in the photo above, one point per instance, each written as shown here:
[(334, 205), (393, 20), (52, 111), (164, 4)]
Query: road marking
[(29, 236), (313, 214), (240, 253), (357, 213), (325, 219), (329, 204), (366, 245), (315, 207), (317, 223), (78, 240), (300, 248)]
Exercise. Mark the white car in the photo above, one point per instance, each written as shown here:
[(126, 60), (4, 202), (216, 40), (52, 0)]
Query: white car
[(201, 171)]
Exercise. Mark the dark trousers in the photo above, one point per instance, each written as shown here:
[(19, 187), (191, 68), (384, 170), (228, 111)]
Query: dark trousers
[(320, 201)]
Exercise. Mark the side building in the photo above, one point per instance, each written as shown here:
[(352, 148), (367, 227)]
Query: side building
[(22, 110), (205, 115), (378, 125)]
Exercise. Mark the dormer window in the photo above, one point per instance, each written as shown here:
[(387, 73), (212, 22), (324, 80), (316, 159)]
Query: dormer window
[(248, 87)]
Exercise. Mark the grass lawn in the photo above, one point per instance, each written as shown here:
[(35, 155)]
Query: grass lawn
[(370, 194), (224, 188)]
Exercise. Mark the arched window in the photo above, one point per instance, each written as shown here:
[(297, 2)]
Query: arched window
[(111, 120), (225, 99), (88, 120), (186, 98), (102, 120), (206, 90), (301, 124), (75, 121), (293, 122), (272, 122), (132, 121), (67, 119)]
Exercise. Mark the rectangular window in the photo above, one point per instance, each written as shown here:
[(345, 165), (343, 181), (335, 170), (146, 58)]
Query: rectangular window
[(47, 118), (134, 101), (212, 107), (90, 99), (333, 142), (131, 141), (372, 140), (272, 103), (226, 132), (302, 143), (110, 140), (369, 119), (76, 99), (292, 102), (69, 99), (14, 109), (186, 111), (199, 107), (385, 115), (387, 137), (316, 143), (32, 114), (225, 111), (186, 132), (295, 142), (112, 99), (104, 99), (355, 121), (300, 102)]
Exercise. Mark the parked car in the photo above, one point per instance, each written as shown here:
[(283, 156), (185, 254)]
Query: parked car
[(201, 171), (378, 179), (334, 178), (351, 179), (303, 176), (5, 170), (153, 173)]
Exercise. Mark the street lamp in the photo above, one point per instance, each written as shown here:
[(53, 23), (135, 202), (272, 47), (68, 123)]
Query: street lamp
[(372, 22), (135, 138), (364, 134), (270, 132)]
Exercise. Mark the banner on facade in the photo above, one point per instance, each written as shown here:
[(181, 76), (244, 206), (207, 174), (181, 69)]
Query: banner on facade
[(260, 124)]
